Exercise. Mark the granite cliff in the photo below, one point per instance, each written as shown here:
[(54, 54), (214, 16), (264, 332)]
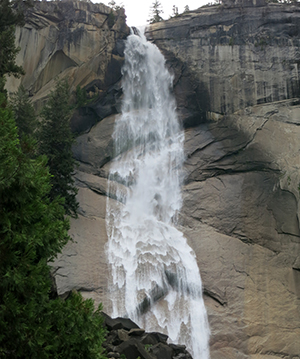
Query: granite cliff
[(236, 81), (75, 40), (238, 66)]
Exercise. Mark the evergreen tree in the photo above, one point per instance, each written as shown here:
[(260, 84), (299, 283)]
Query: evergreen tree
[(8, 53), (186, 8), (24, 113), (115, 6), (156, 12), (175, 11), (56, 141), (32, 231), (11, 14)]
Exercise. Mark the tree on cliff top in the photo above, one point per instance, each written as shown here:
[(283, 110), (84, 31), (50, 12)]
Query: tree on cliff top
[(56, 140), (155, 12), (115, 6)]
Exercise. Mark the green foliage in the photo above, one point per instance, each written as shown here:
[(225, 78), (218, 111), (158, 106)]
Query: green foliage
[(56, 141), (111, 19), (8, 53), (81, 94), (155, 12), (262, 43), (11, 14), (148, 347), (231, 41), (77, 330), (8, 146), (186, 8), (24, 113), (81, 97), (32, 231)]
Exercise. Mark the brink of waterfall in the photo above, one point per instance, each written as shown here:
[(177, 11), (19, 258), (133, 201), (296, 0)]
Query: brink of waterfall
[(155, 278)]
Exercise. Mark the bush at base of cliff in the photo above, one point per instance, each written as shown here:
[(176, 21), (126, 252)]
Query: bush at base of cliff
[(76, 329)]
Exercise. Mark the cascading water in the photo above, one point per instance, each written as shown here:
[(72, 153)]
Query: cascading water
[(155, 277)]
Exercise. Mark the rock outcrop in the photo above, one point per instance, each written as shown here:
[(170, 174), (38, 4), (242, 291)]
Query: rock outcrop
[(230, 57), (78, 41), (126, 338), (236, 81)]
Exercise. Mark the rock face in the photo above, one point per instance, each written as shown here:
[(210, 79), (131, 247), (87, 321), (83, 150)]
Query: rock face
[(237, 86), (232, 57), (78, 41), (240, 213), (236, 81)]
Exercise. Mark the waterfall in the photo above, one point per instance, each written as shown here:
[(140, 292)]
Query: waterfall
[(155, 279)]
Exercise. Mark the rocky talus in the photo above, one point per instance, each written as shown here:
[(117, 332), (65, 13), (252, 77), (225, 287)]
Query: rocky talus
[(236, 82), (125, 338)]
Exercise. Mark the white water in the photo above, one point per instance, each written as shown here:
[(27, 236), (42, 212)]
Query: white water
[(150, 260)]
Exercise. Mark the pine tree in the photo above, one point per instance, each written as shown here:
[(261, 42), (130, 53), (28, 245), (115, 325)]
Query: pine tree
[(24, 113), (11, 14), (186, 8), (115, 6), (175, 11), (156, 12), (56, 141), (8, 53), (32, 231)]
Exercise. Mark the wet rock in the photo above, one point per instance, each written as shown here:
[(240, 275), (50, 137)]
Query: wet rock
[(135, 342), (136, 332), (124, 335), (133, 349), (119, 323), (240, 210), (161, 351), (113, 355)]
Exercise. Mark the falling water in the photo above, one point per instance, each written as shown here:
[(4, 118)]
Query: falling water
[(155, 278)]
